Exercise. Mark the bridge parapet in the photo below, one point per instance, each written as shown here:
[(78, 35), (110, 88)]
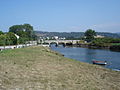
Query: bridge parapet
[(61, 41)]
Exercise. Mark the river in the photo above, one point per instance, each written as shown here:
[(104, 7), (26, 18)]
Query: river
[(87, 55)]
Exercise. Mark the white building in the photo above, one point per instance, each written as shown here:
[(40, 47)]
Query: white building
[(56, 37), (99, 36), (17, 36)]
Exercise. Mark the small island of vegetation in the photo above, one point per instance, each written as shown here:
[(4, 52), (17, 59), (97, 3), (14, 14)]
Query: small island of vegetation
[(95, 41)]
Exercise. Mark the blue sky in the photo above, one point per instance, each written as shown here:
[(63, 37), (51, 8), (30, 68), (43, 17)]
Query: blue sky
[(62, 15)]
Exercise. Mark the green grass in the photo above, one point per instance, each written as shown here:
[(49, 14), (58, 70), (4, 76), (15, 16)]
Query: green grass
[(115, 43), (39, 68)]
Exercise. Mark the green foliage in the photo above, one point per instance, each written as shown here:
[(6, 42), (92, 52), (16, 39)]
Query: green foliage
[(24, 31), (1, 33), (22, 40), (2, 40), (105, 42), (81, 42), (22, 34), (90, 35), (29, 30), (8, 39), (116, 44), (16, 28), (11, 39)]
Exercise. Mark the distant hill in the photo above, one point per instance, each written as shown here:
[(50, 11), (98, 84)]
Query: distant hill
[(106, 34), (74, 34), (60, 34)]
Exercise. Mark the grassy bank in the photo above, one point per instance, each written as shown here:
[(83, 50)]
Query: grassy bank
[(39, 68)]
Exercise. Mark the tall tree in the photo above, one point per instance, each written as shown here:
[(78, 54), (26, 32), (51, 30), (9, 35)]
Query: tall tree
[(16, 28), (11, 39), (90, 35), (25, 31), (29, 30)]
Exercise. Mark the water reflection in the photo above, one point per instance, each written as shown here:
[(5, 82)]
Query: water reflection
[(87, 55), (90, 55)]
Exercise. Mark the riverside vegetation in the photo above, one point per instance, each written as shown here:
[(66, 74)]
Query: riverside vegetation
[(39, 68)]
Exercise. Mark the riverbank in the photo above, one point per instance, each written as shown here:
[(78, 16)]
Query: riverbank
[(109, 47), (39, 68)]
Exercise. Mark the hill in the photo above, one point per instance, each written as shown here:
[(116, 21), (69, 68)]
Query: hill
[(39, 68), (60, 34), (73, 34)]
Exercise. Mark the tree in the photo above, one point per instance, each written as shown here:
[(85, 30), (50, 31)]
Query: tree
[(89, 35), (16, 28), (11, 39), (25, 32), (2, 40), (1, 33), (29, 30)]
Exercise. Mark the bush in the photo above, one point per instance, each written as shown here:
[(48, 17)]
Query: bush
[(2, 40)]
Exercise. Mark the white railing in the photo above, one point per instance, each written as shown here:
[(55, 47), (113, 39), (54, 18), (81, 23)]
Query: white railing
[(15, 46)]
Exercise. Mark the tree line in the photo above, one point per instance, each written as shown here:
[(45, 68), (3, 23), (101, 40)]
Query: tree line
[(25, 33), (100, 42)]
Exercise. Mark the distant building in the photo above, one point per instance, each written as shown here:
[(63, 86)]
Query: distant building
[(56, 37), (47, 38), (17, 36), (99, 36), (62, 38)]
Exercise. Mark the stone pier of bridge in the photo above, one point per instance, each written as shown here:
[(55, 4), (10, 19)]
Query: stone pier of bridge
[(64, 42)]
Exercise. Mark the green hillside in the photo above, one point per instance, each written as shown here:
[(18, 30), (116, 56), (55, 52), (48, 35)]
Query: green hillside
[(74, 34)]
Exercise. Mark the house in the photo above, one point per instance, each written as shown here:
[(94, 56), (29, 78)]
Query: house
[(99, 36), (56, 37), (17, 36)]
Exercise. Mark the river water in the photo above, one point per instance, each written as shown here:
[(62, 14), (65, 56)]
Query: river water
[(87, 55)]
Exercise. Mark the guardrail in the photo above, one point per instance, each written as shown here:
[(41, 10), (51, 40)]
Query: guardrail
[(15, 46)]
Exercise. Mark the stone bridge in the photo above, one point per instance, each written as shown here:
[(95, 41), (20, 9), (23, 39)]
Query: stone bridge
[(65, 42)]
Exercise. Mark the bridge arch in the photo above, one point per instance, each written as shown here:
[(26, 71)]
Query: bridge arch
[(63, 42), (56, 43)]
